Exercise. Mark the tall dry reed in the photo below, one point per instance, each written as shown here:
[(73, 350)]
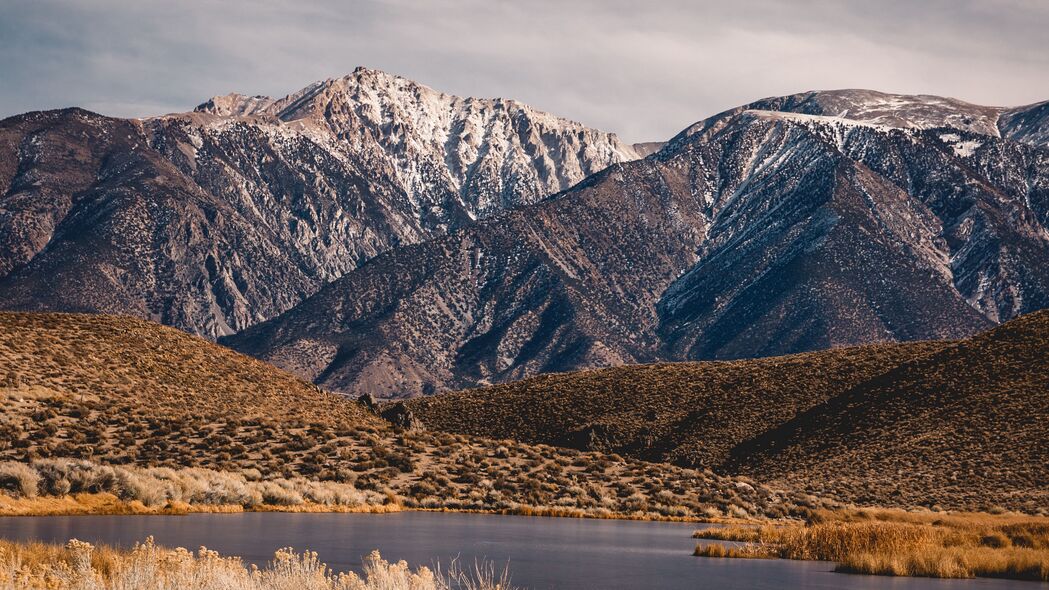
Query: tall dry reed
[(80, 566), (901, 544)]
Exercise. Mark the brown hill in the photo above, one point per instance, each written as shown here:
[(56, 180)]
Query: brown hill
[(118, 390), (968, 423), (135, 364), (686, 413), (959, 424)]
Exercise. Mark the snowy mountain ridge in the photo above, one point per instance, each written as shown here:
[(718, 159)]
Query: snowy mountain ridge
[(494, 153), (374, 235), (762, 232), (897, 111)]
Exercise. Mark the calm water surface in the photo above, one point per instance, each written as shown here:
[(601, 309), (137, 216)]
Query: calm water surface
[(542, 553)]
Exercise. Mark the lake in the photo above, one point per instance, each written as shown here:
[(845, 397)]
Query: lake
[(542, 553)]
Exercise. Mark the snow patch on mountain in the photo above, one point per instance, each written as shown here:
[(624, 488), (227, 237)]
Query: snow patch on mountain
[(963, 148)]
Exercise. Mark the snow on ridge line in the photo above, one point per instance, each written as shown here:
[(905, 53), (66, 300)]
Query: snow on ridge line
[(822, 119)]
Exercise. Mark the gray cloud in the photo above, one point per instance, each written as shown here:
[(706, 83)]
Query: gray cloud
[(643, 69)]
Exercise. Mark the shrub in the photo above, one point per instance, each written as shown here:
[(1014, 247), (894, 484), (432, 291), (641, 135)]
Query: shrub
[(19, 478), (279, 493)]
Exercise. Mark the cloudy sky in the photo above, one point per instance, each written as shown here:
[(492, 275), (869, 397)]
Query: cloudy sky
[(644, 69)]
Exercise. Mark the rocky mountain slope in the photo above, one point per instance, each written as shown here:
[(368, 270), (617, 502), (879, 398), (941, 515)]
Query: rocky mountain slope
[(958, 424), (214, 220), (793, 224)]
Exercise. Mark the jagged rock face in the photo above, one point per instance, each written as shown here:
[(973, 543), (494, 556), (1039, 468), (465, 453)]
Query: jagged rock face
[(888, 224), (96, 221), (457, 159), (756, 232), (215, 220), (569, 282), (1028, 124)]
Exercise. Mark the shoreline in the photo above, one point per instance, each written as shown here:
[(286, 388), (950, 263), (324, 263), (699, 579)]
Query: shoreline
[(106, 504), (888, 543)]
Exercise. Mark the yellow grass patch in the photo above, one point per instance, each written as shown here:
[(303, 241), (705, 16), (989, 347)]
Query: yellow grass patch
[(885, 542), (105, 503)]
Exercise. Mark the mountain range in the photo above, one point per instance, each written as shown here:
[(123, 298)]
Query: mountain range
[(793, 224), (376, 236)]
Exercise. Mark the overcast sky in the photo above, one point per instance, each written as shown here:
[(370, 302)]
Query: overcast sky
[(642, 68)]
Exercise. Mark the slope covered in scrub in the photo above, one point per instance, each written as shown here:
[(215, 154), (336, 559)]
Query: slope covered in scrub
[(956, 424), (82, 394), (968, 422), (687, 413)]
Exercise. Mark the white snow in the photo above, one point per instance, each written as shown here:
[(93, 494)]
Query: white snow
[(962, 148)]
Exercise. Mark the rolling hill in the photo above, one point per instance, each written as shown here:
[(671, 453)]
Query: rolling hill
[(82, 392), (953, 424), (967, 422), (133, 366), (688, 413)]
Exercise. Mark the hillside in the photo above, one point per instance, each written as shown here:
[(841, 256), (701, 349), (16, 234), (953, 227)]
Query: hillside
[(954, 424), (126, 366), (773, 229), (686, 413), (121, 391), (968, 422)]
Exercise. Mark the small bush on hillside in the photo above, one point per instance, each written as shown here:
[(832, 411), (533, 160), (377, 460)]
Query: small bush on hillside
[(19, 478)]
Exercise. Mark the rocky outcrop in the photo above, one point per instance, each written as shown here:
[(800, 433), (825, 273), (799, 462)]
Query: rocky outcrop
[(400, 416)]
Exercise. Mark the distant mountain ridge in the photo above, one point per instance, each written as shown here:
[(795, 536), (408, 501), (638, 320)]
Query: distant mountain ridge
[(214, 220), (756, 232), (494, 153), (896, 111)]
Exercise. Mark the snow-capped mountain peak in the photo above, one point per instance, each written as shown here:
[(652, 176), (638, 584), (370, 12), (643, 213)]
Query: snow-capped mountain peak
[(280, 195)]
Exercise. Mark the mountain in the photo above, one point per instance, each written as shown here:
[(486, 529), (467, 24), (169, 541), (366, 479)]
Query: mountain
[(794, 224), (957, 424), (214, 220)]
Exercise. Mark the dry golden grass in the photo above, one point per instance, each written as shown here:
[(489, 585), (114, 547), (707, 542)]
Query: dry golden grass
[(81, 566), (76, 486), (105, 503), (897, 543)]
